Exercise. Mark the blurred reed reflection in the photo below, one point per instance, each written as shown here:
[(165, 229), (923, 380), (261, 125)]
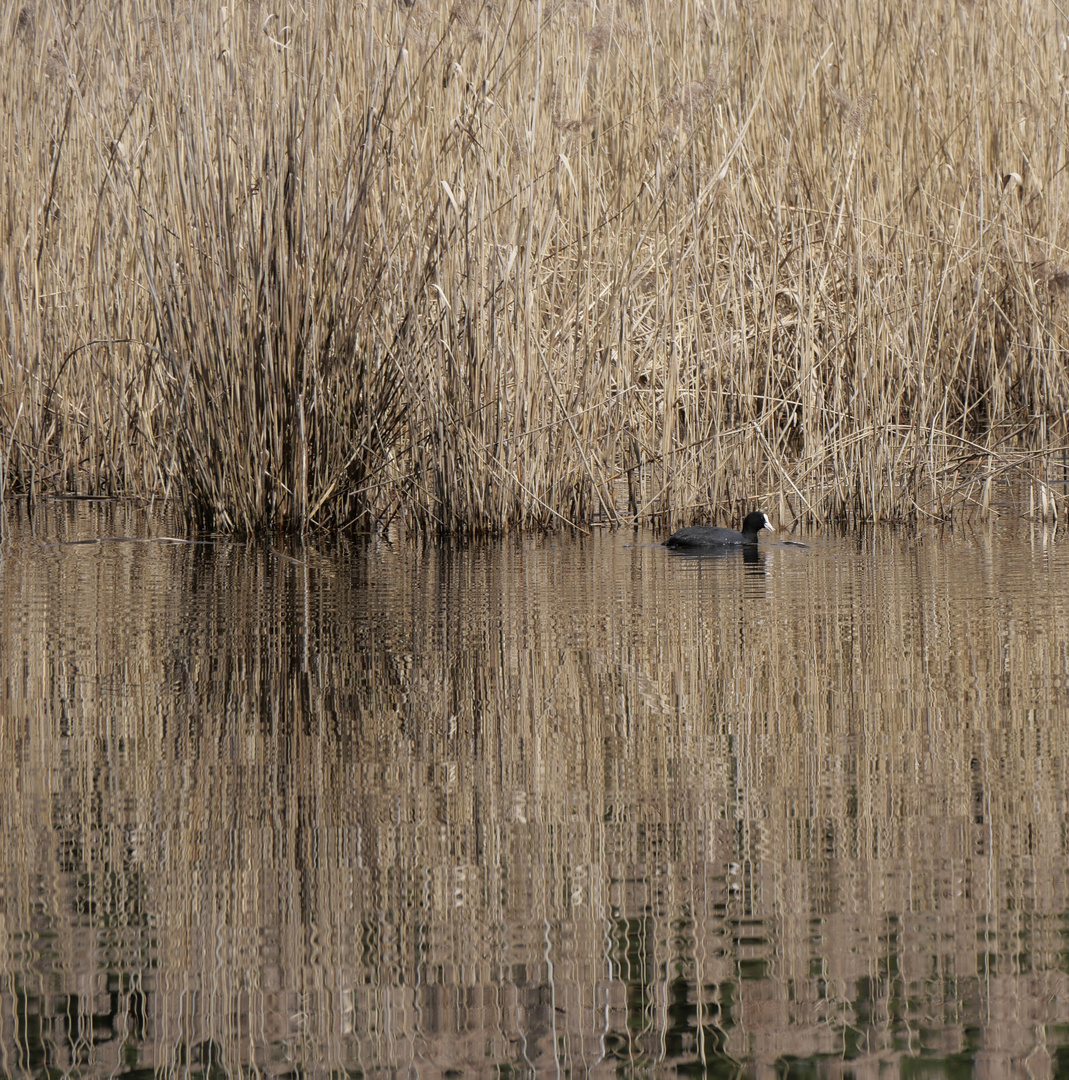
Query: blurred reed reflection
[(546, 804)]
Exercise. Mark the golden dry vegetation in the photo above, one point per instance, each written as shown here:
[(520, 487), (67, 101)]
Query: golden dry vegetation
[(473, 267)]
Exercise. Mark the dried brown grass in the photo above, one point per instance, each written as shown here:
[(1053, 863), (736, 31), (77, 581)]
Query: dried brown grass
[(474, 267)]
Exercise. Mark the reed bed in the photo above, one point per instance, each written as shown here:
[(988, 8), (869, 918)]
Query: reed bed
[(474, 267)]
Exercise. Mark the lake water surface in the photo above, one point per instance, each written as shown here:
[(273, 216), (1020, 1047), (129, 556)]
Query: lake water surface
[(549, 806)]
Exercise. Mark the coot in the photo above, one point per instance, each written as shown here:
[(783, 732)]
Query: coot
[(699, 536)]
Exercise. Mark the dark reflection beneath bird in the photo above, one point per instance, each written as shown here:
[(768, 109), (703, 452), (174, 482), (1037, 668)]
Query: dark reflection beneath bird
[(704, 536)]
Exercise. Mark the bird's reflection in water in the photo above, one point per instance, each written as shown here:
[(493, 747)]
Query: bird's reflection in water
[(752, 555)]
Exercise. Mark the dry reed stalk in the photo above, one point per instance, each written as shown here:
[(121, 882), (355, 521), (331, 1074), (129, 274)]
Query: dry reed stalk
[(450, 268)]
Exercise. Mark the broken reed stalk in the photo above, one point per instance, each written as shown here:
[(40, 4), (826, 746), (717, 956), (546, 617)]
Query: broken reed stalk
[(447, 268)]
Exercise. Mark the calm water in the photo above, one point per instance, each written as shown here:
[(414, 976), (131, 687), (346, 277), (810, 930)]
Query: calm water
[(553, 806)]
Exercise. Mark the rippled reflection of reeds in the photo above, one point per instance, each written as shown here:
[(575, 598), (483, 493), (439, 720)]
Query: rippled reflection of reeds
[(362, 808)]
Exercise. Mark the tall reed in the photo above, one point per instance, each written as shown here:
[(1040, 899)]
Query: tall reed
[(472, 267)]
